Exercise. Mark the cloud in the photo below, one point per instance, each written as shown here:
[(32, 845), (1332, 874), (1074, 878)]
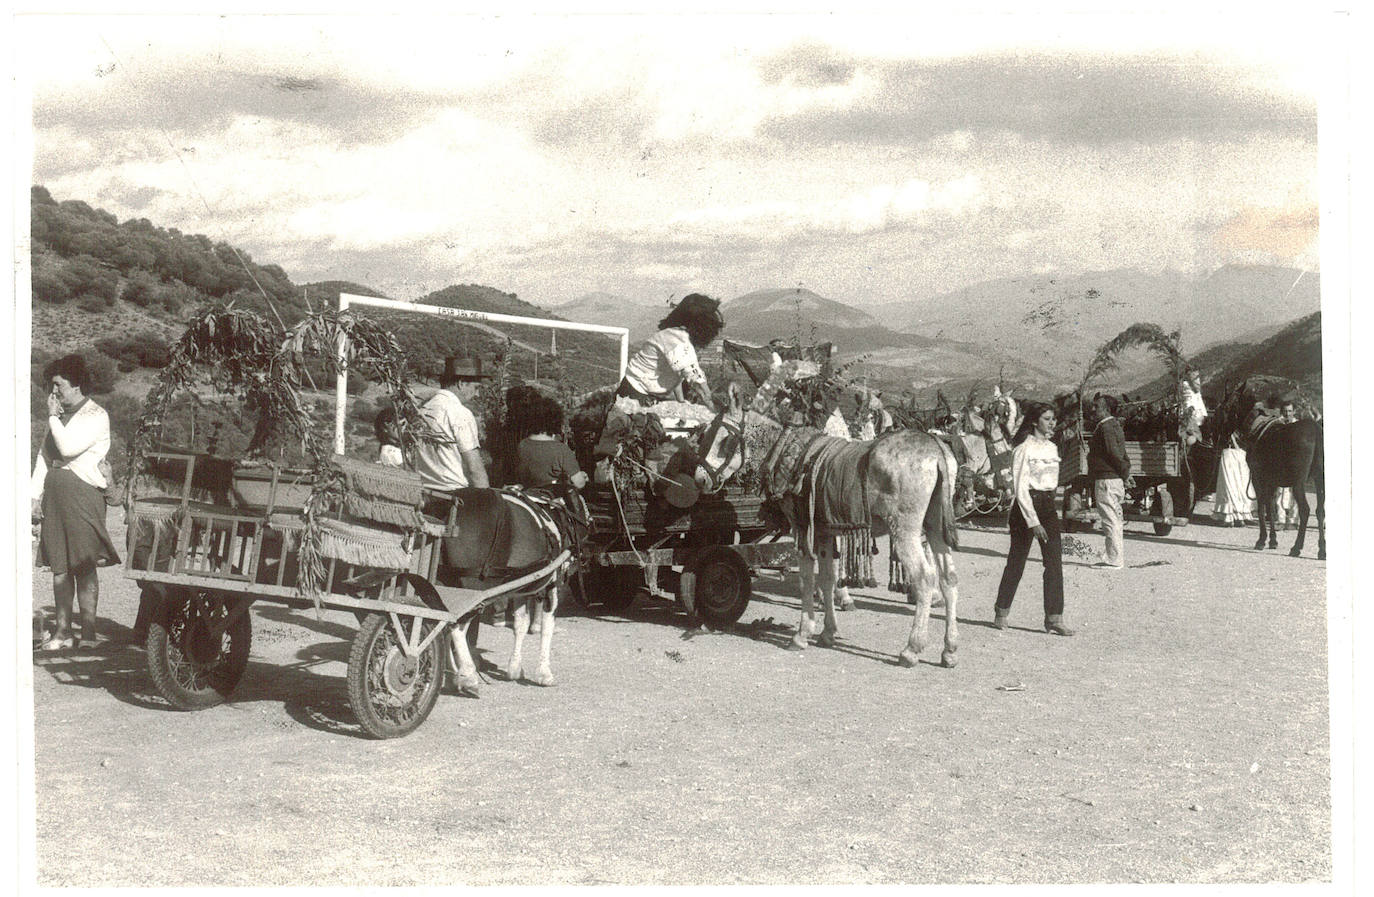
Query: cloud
[(1065, 98), (196, 98), (884, 206), (1283, 234)]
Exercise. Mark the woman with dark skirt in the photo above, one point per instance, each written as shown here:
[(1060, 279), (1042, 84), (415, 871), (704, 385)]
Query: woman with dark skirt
[(68, 490), (1035, 476)]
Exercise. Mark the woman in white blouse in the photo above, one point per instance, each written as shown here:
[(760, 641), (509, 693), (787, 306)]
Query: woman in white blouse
[(1035, 476), (67, 491)]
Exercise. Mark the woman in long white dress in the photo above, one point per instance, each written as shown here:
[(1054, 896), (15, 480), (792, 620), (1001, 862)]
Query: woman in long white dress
[(1235, 496)]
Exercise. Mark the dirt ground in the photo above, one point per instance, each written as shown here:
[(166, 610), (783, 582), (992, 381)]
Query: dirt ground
[(1182, 736)]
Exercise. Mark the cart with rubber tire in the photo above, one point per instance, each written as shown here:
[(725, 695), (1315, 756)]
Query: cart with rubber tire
[(706, 554), (201, 565), (1163, 493)]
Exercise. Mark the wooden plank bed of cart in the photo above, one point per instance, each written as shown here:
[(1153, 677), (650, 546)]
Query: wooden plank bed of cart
[(203, 563)]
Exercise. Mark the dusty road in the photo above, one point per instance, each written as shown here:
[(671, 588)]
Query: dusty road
[(1181, 736)]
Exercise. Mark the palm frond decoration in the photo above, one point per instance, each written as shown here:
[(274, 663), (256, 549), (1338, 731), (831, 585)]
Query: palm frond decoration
[(1149, 336)]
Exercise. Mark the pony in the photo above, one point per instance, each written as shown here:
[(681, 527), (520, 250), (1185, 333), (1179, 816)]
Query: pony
[(501, 535), (1286, 454), (902, 483)]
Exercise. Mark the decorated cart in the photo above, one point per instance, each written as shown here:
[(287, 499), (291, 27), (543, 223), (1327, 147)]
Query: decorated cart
[(1164, 490), (209, 535)]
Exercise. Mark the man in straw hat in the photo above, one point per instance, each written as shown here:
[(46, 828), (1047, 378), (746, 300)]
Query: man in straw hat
[(457, 461)]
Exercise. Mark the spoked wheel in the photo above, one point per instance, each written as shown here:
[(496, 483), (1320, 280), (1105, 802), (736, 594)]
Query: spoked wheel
[(392, 693), (198, 648), (720, 586)]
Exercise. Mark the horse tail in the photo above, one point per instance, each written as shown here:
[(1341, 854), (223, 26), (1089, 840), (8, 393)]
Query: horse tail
[(944, 485)]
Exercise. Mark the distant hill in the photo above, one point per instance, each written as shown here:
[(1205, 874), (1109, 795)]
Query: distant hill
[(766, 314), (609, 309), (1058, 322)]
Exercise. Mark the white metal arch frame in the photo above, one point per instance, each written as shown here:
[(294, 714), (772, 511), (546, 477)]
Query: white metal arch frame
[(347, 299)]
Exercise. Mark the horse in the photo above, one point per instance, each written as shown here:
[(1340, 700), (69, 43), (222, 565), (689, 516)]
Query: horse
[(1286, 454), (902, 482), (500, 535)]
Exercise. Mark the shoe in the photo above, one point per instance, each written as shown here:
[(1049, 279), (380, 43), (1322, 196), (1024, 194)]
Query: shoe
[(999, 619), (1055, 626), (53, 643)]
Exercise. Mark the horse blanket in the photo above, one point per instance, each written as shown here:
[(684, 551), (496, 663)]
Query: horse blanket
[(821, 480)]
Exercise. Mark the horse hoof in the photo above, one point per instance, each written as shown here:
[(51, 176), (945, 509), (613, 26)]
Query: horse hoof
[(795, 646), (1295, 553), (541, 679), (826, 640), (949, 660), (1321, 555), (907, 658), (469, 687)]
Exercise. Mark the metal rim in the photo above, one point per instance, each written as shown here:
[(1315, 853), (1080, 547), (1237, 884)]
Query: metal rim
[(192, 654), (395, 681)]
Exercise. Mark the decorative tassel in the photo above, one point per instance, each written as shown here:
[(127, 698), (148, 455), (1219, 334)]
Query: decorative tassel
[(896, 575)]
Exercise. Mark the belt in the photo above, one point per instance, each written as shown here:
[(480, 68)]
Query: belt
[(1042, 491)]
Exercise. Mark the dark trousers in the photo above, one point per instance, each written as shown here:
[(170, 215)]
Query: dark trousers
[(1021, 539)]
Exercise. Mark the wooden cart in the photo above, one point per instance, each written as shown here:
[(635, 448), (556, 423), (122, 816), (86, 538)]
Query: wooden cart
[(1163, 494), (706, 553), (231, 536)]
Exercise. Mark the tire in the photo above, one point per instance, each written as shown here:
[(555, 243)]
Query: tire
[(392, 694), (188, 668), (721, 586), (1162, 505)]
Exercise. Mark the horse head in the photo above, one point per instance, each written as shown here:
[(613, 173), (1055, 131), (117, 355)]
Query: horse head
[(720, 447)]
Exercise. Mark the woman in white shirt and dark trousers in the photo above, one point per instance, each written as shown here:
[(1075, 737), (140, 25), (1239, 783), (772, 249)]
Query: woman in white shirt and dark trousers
[(1035, 476), (67, 489)]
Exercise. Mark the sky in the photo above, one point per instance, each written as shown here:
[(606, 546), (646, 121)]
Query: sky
[(871, 158)]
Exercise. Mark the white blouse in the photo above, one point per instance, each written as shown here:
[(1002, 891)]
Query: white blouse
[(1034, 465), (82, 443), (663, 362)]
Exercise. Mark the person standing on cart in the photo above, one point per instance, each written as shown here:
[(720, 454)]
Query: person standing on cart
[(1110, 470), (455, 460)]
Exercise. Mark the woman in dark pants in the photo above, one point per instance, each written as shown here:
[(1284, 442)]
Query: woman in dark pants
[(68, 483), (1035, 476)]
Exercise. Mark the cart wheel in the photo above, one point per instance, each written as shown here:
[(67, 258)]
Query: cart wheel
[(1162, 505), (190, 667), (390, 692), (721, 586)]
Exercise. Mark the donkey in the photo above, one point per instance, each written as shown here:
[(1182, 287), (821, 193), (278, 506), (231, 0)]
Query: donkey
[(1287, 454), (907, 482)]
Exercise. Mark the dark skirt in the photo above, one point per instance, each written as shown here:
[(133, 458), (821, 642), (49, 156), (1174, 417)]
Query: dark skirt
[(74, 538)]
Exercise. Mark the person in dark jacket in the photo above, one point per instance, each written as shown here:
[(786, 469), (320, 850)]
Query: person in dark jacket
[(1109, 469)]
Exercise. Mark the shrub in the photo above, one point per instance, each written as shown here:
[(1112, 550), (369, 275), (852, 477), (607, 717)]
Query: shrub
[(102, 372), (145, 349), (49, 285)]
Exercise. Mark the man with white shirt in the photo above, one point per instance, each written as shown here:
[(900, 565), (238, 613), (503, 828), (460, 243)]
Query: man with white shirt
[(454, 462)]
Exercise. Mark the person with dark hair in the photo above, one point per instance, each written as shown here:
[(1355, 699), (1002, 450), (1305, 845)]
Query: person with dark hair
[(67, 488), (389, 438), (456, 461), (1035, 476), (1109, 469), (665, 366), (542, 458)]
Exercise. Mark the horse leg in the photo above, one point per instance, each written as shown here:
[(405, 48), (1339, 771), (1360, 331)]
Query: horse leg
[(806, 569), (907, 543), (1300, 496), (520, 625), (941, 559), (1321, 518), (543, 675), (467, 669), (1272, 513), (1262, 494), (825, 577)]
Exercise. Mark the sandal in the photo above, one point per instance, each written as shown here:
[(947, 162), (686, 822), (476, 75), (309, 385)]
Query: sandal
[(54, 643)]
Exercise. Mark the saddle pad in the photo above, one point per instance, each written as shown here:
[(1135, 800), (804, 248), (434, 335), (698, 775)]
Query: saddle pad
[(837, 471)]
